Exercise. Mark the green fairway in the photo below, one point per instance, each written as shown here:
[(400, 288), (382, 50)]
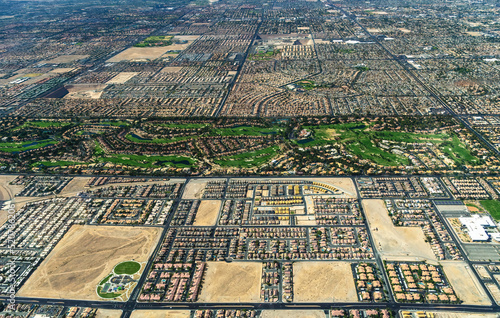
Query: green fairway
[(128, 268), (41, 124), (156, 40), (183, 126), (26, 145), (363, 142), (56, 163), (245, 131), (158, 140), (149, 161), (493, 207), (249, 159)]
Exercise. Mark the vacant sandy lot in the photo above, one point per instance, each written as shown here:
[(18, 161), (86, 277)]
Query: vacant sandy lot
[(108, 313), (61, 70), (66, 59), (391, 241), (8, 191), (194, 189), (292, 314), (85, 91), (140, 53), (449, 314), (344, 184), (207, 213), (231, 282), (323, 282), (160, 314), (84, 256), (122, 77), (465, 283), (74, 186)]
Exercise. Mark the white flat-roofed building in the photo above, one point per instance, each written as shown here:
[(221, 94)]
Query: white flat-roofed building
[(476, 225)]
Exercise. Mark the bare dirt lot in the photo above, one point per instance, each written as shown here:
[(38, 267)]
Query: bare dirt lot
[(394, 242), (194, 189), (84, 256), (160, 314), (61, 70), (344, 184), (292, 314), (85, 91), (207, 213), (323, 282), (449, 314), (465, 283), (231, 282), (66, 59), (140, 53), (108, 313), (122, 77), (74, 186)]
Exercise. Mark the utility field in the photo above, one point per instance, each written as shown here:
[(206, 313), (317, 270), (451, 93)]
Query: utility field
[(323, 282), (84, 256), (231, 282)]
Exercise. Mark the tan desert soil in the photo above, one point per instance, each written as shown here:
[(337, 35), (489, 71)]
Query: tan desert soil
[(292, 314), (160, 314), (465, 283), (323, 282), (395, 242), (207, 213), (86, 255), (231, 282)]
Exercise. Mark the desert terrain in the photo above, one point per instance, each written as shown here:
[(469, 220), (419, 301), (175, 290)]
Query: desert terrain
[(465, 283), (108, 313), (395, 242), (160, 314), (140, 53), (323, 282), (231, 282), (84, 256), (292, 314), (207, 213)]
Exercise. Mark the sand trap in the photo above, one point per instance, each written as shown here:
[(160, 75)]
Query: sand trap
[(207, 213), (63, 59), (231, 282), (122, 77), (292, 313), (84, 256), (160, 314), (394, 242), (108, 313), (140, 53), (465, 283), (323, 282)]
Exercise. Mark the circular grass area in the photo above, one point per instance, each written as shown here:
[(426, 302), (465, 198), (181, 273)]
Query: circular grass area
[(127, 268)]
